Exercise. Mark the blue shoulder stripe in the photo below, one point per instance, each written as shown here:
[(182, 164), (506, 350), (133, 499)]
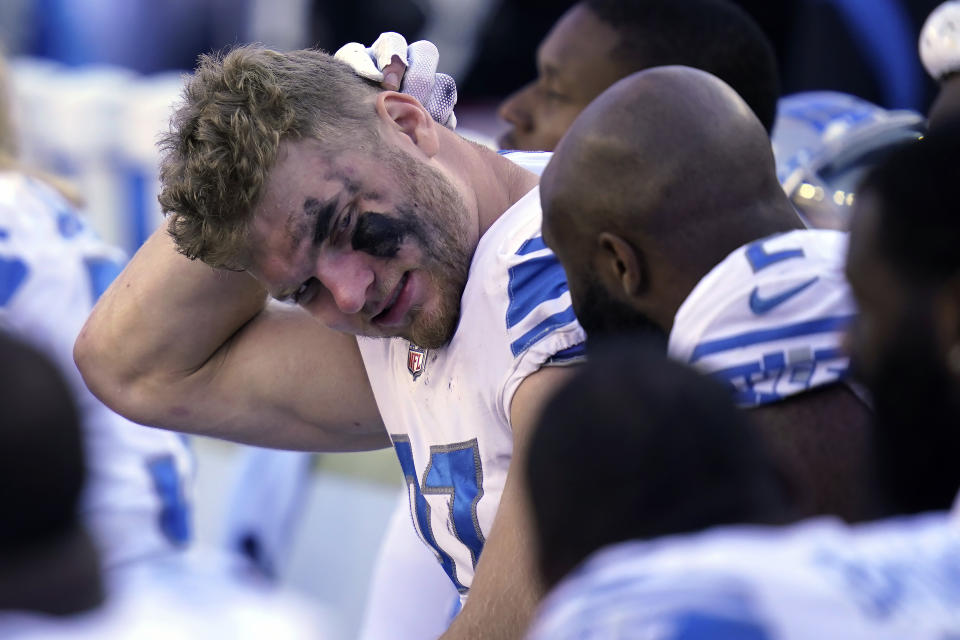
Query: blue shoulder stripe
[(575, 352), (531, 283), (531, 246), (542, 330), (811, 327)]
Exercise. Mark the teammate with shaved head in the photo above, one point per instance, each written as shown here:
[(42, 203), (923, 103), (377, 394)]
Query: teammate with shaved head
[(889, 579), (669, 219)]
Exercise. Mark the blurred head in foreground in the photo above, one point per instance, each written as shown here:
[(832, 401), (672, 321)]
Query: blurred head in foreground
[(904, 267), (47, 561), (637, 446)]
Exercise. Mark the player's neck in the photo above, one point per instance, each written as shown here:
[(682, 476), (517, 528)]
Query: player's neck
[(492, 182)]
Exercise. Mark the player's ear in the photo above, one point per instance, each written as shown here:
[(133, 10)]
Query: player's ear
[(407, 116), (623, 262)]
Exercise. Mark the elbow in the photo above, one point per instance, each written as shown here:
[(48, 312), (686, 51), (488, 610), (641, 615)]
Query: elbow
[(86, 356), (106, 379), (90, 358)]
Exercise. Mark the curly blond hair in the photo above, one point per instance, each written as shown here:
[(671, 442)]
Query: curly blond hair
[(224, 138)]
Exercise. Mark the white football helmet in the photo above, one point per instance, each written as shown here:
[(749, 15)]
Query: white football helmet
[(940, 41), (824, 143)]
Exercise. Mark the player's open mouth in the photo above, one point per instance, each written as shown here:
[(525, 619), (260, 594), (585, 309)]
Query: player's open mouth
[(395, 310)]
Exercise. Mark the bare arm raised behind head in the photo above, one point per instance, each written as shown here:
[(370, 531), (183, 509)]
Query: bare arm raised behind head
[(178, 344)]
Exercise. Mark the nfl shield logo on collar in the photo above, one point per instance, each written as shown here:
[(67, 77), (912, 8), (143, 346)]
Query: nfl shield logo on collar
[(416, 360)]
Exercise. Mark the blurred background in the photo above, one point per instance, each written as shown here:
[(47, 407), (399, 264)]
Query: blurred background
[(93, 82)]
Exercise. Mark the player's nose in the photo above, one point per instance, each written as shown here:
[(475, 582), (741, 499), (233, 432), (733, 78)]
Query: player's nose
[(348, 278), (516, 111)]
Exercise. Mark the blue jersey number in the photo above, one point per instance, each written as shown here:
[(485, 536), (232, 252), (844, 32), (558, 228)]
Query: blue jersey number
[(13, 273), (174, 517), (454, 470), (759, 258)]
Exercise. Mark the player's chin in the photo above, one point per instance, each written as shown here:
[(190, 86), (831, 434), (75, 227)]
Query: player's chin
[(510, 141), (433, 328)]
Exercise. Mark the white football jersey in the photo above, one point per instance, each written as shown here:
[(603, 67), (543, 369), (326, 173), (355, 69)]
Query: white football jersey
[(52, 269), (892, 579), (769, 319), (448, 410)]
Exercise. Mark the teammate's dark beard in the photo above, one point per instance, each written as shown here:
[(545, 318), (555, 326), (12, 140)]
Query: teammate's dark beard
[(917, 421), (604, 317)]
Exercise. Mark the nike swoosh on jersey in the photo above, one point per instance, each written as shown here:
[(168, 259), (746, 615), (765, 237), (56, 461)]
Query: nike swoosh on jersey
[(763, 305)]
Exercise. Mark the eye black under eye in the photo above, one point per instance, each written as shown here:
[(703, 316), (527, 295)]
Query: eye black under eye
[(380, 235)]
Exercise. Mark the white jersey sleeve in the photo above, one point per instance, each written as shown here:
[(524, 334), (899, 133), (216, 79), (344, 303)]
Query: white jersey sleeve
[(448, 410), (769, 320), (52, 269), (888, 580)]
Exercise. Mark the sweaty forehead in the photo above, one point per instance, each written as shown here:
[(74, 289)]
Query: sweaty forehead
[(305, 170), (299, 162)]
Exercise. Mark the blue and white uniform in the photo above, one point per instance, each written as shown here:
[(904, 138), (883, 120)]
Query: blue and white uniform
[(892, 579), (769, 319), (448, 410), (52, 269), (160, 601)]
